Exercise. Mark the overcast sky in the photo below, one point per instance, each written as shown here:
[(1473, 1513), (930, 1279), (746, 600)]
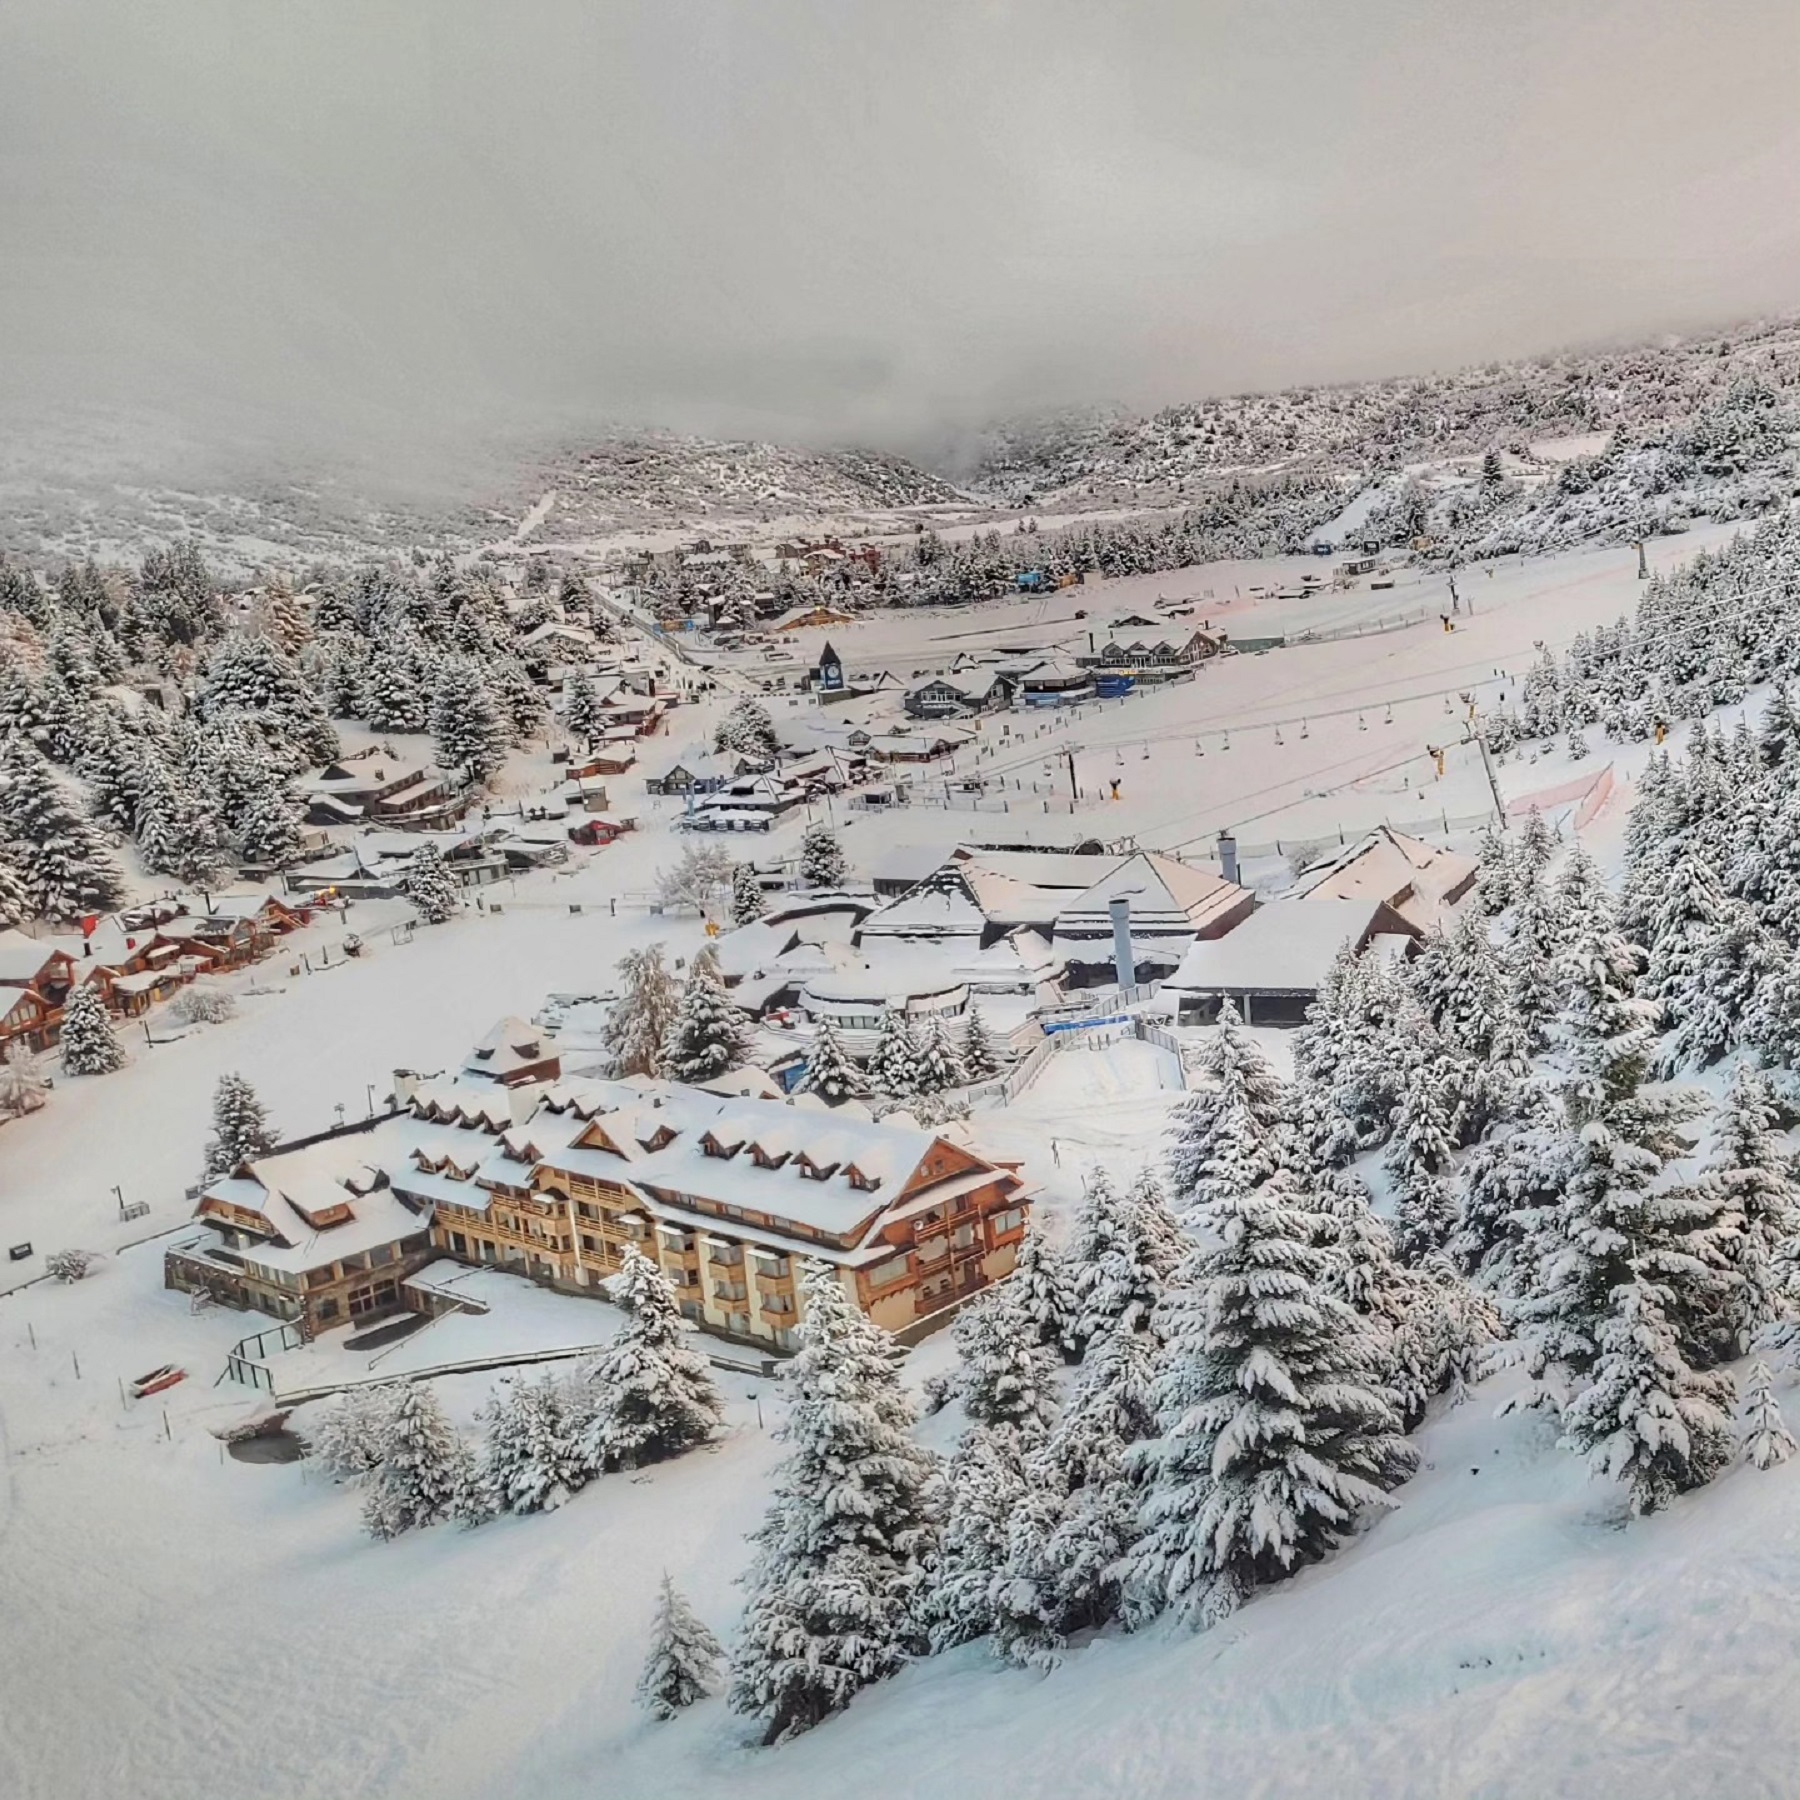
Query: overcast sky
[(336, 220)]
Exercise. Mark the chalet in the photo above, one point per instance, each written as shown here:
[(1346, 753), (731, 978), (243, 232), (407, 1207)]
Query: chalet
[(372, 785), (1055, 682), (1272, 966), (132, 959), (906, 745), (229, 930), (1423, 883), (36, 978), (313, 1234), (960, 696), (1148, 657), (1170, 906), (513, 1053), (747, 803), (558, 640), (685, 774), (598, 829)]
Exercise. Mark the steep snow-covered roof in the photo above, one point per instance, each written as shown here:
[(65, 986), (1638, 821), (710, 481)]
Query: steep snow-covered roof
[(927, 912), (23, 958), (1421, 881), (509, 1046)]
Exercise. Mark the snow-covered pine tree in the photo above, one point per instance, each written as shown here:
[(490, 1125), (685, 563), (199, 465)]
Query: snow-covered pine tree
[(350, 1436), (241, 1128), (1533, 853), (111, 766), (834, 1588), (530, 1460), (1275, 1433), (268, 826), (748, 731), (656, 1393), (709, 1033), (424, 1467), (822, 863), (1007, 1374), (982, 1488), (637, 1027), (61, 858), (15, 903), (1715, 1005), (430, 886), (1123, 1249), (1766, 1440), (831, 1071), (201, 857), (1494, 880), (1470, 1006), (684, 1660), (1643, 1415), (938, 1067), (1069, 1542), (581, 710), (975, 1049), (1507, 1182), (747, 902), (1041, 1285), (90, 1046), (1230, 1129), (1605, 1268), (1428, 1124), (468, 732), (1750, 1176), (22, 1081), (893, 1066)]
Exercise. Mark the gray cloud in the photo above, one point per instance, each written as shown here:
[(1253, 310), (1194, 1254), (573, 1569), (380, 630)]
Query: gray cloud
[(339, 223)]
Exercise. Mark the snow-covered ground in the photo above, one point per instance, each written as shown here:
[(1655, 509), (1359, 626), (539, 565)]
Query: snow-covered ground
[(174, 1623)]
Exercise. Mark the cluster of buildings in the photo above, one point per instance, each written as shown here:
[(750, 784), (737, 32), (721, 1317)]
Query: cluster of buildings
[(510, 1164), (136, 957), (1019, 934)]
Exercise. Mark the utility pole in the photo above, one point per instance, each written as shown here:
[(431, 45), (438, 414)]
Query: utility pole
[(1074, 792)]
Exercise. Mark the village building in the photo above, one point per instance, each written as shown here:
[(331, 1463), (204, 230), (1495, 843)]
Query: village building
[(1054, 681), (958, 696), (1148, 657), (1272, 966), (730, 1195), (313, 1234), (513, 1054), (372, 785), (1422, 882), (1170, 905), (905, 744), (859, 997), (36, 979)]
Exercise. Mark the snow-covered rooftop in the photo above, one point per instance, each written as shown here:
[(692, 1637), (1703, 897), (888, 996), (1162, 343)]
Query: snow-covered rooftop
[(1286, 947)]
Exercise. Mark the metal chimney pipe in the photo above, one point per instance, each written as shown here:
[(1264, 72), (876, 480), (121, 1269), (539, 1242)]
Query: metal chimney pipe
[(1124, 963), (1228, 864)]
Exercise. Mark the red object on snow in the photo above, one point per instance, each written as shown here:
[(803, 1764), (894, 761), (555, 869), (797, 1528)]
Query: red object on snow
[(157, 1380), (90, 925)]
